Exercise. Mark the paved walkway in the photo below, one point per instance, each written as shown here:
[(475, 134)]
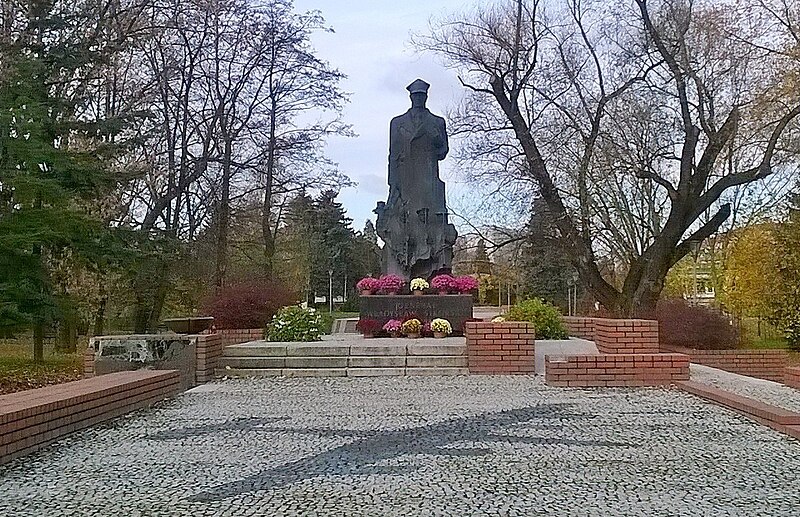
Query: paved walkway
[(762, 390), (410, 446)]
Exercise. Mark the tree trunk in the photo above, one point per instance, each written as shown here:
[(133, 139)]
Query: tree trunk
[(38, 342), (100, 317), (223, 218), (266, 216)]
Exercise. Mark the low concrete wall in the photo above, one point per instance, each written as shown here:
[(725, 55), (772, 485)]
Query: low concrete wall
[(31, 419), (763, 364), (196, 367), (616, 370), (501, 348), (146, 352)]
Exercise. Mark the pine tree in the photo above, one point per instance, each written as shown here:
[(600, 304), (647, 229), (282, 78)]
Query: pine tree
[(50, 166), (546, 268)]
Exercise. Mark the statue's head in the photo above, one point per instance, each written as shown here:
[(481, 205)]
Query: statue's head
[(419, 93)]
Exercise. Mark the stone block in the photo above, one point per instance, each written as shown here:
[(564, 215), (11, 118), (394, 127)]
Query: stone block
[(375, 372), (378, 350), (436, 361), (256, 349), (315, 372), (146, 352), (377, 362), (436, 349), (317, 349), (457, 309), (316, 362), (253, 362), (437, 371), (248, 372)]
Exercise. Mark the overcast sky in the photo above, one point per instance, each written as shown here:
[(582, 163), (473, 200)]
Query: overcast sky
[(371, 46)]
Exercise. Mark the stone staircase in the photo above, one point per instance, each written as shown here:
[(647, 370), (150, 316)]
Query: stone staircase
[(353, 356)]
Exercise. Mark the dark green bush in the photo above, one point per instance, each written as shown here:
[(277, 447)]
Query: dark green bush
[(545, 317)]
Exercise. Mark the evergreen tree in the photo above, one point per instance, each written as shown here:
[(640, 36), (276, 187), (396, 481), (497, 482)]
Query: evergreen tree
[(332, 250), (546, 269), (50, 166)]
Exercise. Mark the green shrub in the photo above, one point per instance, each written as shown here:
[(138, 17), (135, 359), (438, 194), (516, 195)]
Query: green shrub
[(545, 317), (296, 324)]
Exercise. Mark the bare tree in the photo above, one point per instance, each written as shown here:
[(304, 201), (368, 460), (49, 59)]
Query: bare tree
[(619, 118)]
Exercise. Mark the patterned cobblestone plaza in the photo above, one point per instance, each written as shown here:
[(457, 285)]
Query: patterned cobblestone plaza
[(413, 446)]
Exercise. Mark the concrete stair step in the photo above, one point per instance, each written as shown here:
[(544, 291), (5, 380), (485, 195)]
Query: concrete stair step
[(437, 371), (377, 362), (435, 349), (378, 349), (253, 362), (315, 372), (376, 372), (436, 361), (248, 372), (315, 362), (255, 349), (318, 349)]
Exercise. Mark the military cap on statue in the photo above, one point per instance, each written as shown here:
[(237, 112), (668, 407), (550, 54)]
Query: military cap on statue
[(418, 86)]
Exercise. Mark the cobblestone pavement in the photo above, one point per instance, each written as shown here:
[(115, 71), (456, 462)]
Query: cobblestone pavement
[(769, 392), (411, 446)]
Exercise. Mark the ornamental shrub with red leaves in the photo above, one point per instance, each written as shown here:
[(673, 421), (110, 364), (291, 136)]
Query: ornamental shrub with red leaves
[(681, 324), (249, 304)]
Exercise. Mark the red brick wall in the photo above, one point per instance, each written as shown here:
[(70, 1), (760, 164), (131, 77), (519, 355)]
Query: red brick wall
[(31, 419), (88, 363), (764, 364), (616, 370), (500, 348), (210, 346), (613, 336), (208, 349), (236, 336), (579, 326), (792, 377)]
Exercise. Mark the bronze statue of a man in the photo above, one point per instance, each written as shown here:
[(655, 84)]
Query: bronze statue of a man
[(413, 223)]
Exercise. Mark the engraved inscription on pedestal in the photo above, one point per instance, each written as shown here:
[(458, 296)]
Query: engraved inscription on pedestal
[(457, 309)]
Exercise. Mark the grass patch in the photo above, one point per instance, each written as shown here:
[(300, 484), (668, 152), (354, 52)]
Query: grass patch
[(18, 372)]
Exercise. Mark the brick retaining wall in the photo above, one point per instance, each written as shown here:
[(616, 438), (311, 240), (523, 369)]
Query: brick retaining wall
[(88, 363), (626, 336), (792, 377), (210, 347), (580, 326), (501, 348), (764, 364), (236, 336), (616, 370), (31, 419)]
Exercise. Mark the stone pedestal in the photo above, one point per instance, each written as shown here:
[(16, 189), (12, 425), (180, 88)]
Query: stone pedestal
[(455, 308)]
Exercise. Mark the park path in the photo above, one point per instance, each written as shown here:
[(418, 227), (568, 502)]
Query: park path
[(460, 446)]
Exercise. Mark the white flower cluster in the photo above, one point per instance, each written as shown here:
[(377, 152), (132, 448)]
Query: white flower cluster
[(419, 284)]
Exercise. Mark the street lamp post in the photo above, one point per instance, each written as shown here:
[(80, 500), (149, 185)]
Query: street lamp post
[(695, 245), (330, 290)]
